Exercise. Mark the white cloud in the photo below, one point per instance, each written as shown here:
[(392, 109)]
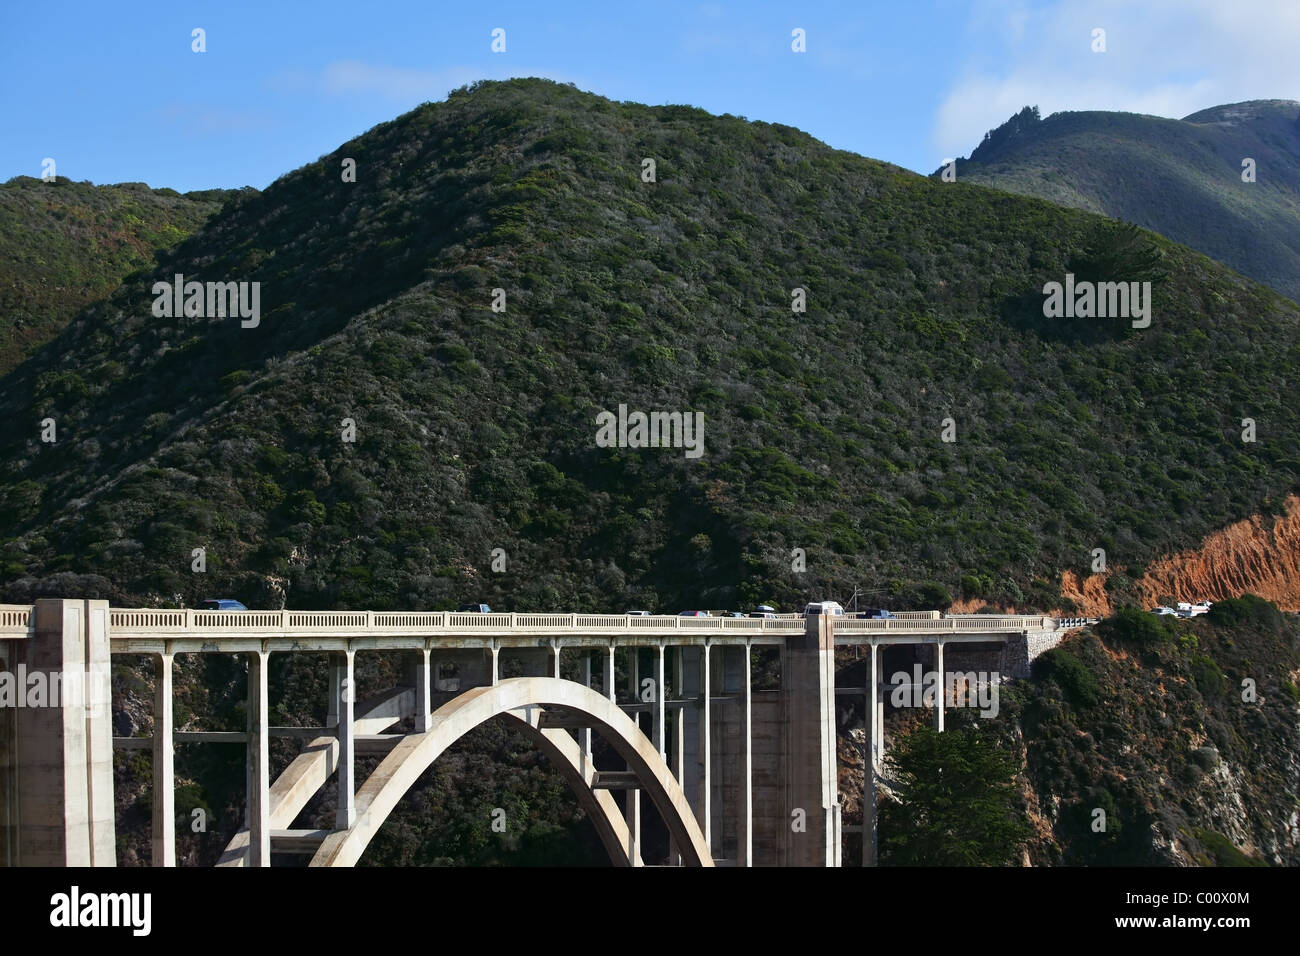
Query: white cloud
[(1163, 57)]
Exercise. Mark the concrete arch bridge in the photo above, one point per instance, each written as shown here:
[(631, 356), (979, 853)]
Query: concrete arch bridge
[(738, 776)]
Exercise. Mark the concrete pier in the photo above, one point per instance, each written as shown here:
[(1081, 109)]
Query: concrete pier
[(810, 765), (164, 771), (344, 666), (259, 762), (60, 774)]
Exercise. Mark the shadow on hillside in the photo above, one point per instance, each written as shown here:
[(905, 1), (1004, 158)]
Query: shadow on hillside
[(1025, 314)]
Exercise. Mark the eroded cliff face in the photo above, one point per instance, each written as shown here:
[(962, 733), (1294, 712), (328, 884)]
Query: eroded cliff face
[(1089, 594), (1260, 555)]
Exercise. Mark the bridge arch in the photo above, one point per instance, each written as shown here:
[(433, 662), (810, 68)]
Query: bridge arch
[(525, 699), (311, 770)]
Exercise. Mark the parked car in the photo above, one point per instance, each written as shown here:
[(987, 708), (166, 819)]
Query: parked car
[(823, 607), (637, 613), (695, 614), (474, 609), (221, 604)]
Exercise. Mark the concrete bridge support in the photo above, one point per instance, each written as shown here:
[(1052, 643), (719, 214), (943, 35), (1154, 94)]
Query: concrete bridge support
[(810, 764), (8, 770), (873, 723), (423, 692), (939, 701), (164, 765), (60, 752), (259, 762), (632, 799), (745, 805), (344, 665)]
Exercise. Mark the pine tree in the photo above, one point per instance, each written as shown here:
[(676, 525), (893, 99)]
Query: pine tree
[(957, 801)]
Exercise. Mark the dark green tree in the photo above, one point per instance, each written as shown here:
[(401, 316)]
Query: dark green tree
[(995, 139), (1118, 252), (957, 804)]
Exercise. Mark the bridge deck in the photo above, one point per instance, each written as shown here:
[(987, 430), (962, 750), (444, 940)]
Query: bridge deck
[(147, 630)]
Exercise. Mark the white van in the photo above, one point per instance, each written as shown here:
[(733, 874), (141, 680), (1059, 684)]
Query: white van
[(823, 607)]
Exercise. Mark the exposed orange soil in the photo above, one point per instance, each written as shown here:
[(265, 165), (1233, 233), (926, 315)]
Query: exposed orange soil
[(1259, 555)]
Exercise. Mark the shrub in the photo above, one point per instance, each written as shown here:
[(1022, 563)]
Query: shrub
[(1209, 679), (934, 596), (1135, 626), (1070, 674), (1221, 851), (1244, 610)]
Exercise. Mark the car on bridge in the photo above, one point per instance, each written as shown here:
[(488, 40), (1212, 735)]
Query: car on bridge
[(823, 607), (763, 610), (474, 609), (875, 613), (221, 604), (637, 613), (695, 614)]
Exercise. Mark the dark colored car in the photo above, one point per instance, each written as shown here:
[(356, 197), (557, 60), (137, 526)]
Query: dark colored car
[(878, 613), (221, 604), (474, 609)]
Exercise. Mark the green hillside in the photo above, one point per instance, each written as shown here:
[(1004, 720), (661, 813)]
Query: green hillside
[(1181, 178), (65, 244), (476, 430)]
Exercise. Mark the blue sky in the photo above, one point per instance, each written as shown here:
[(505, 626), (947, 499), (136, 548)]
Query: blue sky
[(114, 93)]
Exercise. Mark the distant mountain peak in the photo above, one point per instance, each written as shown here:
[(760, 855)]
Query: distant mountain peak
[(1224, 180)]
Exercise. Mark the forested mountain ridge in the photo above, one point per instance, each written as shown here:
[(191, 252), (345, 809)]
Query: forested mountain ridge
[(475, 429), (1225, 180), (826, 431), (65, 244)]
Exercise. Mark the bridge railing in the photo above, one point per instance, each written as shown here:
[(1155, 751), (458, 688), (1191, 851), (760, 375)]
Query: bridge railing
[(134, 621), (15, 620), (1076, 621), (974, 622)]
